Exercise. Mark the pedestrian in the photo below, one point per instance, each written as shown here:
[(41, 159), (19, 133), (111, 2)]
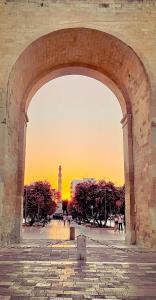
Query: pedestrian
[(115, 222), (64, 219), (69, 219), (124, 222), (120, 222)]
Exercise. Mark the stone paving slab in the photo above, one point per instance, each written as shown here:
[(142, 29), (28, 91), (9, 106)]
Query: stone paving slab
[(66, 250), (51, 272)]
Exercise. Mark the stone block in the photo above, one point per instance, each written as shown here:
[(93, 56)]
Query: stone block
[(81, 247)]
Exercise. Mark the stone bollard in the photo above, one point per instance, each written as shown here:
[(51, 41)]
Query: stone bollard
[(72, 233), (81, 247)]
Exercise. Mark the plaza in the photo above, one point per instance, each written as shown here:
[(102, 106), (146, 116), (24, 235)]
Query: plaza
[(44, 269), (113, 42)]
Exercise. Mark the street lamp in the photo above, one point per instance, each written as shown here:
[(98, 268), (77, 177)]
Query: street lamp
[(38, 211), (92, 207), (105, 207), (40, 199), (25, 204), (109, 190), (110, 207)]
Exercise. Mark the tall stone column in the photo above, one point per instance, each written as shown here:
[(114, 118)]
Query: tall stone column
[(152, 204), (23, 119), (8, 158), (3, 157), (129, 179), (12, 153)]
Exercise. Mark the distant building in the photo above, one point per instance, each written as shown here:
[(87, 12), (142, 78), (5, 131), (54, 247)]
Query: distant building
[(77, 181)]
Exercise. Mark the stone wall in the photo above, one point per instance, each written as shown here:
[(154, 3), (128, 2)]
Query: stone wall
[(133, 22)]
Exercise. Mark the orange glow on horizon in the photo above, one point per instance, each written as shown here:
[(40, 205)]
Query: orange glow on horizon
[(68, 178), (84, 136)]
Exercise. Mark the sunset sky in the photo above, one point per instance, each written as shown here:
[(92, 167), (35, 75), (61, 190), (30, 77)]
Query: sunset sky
[(74, 121)]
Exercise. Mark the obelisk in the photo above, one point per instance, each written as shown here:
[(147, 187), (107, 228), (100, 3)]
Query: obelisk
[(60, 184)]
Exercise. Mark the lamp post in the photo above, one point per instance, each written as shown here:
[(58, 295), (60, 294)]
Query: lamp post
[(110, 212), (109, 190), (110, 206), (38, 212), (92, 207), (25, 204), (105, 207), (40, 200)]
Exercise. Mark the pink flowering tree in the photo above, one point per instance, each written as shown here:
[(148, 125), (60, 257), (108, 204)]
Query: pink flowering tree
[(38, 201), (95, 202)]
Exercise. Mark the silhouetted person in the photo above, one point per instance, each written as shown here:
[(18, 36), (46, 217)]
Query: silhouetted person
[(64, 219), (115, 222), (120, 222)]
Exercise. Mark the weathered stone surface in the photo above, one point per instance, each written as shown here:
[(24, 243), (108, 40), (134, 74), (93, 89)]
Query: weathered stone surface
[(36, 46), (81, 247), (72, 233), (110, 272)]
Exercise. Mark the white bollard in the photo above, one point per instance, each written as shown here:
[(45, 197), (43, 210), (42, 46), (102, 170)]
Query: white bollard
[(81, 247)]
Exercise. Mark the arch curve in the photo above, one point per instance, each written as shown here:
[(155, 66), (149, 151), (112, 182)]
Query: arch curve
[(102, 56), (70, 51)]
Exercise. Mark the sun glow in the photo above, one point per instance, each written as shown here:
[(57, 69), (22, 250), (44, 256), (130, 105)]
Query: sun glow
[(74, 122)]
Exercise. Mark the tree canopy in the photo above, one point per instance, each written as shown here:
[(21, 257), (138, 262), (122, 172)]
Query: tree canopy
[(38, 201), (94, 202)]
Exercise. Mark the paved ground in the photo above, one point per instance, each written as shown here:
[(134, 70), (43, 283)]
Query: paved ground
[(57, 231), (49, 270)]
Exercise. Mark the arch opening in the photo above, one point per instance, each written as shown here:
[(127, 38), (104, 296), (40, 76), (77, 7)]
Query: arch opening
[(104, 57), (73, 121)]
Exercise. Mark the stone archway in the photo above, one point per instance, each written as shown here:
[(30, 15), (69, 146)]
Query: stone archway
[(106, 58)]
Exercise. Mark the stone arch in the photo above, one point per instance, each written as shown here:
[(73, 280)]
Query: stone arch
[(104, 57)]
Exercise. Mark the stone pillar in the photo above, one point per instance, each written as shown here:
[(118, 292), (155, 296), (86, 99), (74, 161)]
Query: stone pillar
[(3, 157), (12, 148), (152, 204), (129, 179), (21, 169), (72, 233), (8, 173), (81, 247)]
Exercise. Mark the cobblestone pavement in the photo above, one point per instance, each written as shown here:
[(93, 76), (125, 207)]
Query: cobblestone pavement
[(49, 270)]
